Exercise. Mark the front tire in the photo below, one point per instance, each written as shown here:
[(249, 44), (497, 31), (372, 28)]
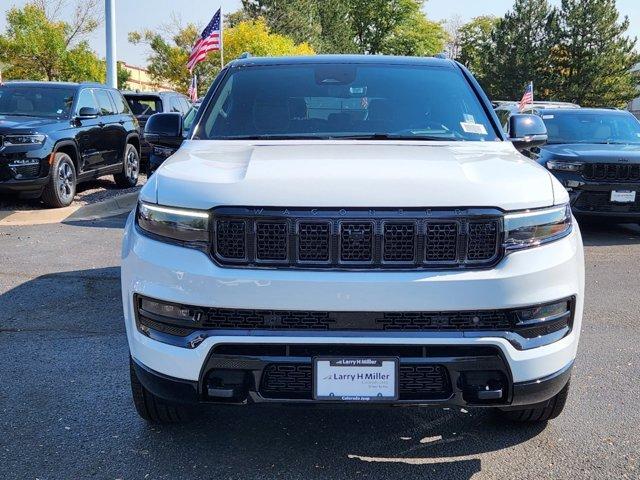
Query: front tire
[(541, 412), (128, 177), (61, 188), (151, 408)]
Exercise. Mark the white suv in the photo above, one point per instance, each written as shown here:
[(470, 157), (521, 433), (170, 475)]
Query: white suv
[(351, 229)]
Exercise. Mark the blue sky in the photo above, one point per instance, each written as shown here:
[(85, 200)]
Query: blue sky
[(138, 14)]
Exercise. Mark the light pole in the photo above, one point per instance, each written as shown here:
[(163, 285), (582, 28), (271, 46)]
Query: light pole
[(110, 28)]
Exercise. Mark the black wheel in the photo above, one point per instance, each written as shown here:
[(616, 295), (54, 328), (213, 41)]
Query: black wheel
[(540, 412), (153, 409), (61, 188), (128, 177)]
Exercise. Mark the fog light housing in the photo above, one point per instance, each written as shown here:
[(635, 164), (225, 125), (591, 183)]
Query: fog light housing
[(545, 319)]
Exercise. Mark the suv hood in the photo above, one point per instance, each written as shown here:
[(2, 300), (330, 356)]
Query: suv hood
[(593, 152), (203, 174), (22, 123)]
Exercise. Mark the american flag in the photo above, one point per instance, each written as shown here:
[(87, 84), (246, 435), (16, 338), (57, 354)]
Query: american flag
[(209, 41), (193, 89), (527, 98)]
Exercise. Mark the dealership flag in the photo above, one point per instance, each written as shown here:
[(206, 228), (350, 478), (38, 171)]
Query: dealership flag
[(210, 41), (527, 98), (193, 89)]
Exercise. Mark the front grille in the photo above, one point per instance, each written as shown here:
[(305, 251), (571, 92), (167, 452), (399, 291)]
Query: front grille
[(371, 239), (589, 201), (247, 319), (294, 381), (617, 172)]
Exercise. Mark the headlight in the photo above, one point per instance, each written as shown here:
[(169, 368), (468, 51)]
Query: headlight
[(530, 229), (173, 223), (564, 166), (13, 140)]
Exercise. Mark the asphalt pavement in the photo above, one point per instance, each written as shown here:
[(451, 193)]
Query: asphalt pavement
[(66, 411)]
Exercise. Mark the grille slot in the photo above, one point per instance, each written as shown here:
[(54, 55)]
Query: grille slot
[(356, 241), (483, 240), (423, 382), (404, 239), (442, 242), (612, 172), (231, 239), (399, 242), (286, 381), (229, 318), (272, 240), (294, 380), (314, 241)]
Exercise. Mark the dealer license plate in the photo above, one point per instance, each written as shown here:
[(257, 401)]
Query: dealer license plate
[(623, 196), (355, 379)]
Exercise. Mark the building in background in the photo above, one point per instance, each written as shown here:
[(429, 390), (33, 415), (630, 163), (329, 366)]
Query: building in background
[(141, 80)]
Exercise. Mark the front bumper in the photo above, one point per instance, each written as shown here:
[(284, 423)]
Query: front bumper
[(593, 198), (188, 276)]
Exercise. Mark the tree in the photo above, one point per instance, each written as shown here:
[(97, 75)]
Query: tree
[(453, 28), (350, 26), (523, 45), (476, 44), (415, 36), (38, 46), (168, 58), (593, 57)]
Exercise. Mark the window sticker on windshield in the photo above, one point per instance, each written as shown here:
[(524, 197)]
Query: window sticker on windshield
[(547, 117), (468, 118), (477, 128)]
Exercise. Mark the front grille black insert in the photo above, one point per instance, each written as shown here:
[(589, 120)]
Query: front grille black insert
[(294, 381), (616, 172), (406, 239)]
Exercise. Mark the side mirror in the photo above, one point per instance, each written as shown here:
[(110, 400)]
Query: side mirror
[(527, 131), (86, 113), (164, 130)]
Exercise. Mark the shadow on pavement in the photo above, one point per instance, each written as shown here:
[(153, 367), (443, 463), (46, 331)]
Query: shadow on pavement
[(601, 233), (72, 399)]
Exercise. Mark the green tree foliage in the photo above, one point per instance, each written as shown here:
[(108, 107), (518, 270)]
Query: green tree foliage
[(593, 57), (476, 44), (168, 58), (577, 52), (351, 26), (37, 46), (523, 42)]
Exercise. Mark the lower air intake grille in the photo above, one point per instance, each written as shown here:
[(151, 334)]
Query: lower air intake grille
[(294, 381), (601, 202)]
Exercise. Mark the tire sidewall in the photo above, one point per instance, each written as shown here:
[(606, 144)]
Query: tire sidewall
[(61, 159), (129, 180)]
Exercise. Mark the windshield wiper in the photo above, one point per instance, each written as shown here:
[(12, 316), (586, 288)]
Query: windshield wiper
[(391, 136), (271, 137)]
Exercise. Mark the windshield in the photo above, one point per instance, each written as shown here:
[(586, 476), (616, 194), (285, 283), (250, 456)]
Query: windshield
[(597, 127), (328, 101), (36, 101)]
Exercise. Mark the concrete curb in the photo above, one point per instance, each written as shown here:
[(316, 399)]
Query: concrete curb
[(107, 208)]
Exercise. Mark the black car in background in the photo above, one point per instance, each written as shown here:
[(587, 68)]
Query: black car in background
[(595, 153), (54, 135), (145, 104), (159, 154)]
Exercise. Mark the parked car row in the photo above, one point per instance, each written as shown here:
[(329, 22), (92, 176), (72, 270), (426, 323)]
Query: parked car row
[(55, 135), (594, 152)]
